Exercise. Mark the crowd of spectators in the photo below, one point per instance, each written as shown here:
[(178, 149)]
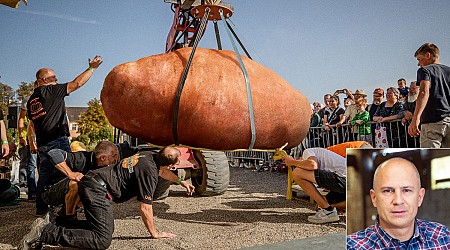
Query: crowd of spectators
[(357, 119)]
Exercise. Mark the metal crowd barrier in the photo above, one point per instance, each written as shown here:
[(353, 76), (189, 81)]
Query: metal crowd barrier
[(397, 137)]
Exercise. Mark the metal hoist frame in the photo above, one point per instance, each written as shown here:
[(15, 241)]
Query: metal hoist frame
[(230, 33)]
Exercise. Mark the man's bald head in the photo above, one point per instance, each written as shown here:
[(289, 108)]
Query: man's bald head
[(45, 76), (396, 162), (44, 72)]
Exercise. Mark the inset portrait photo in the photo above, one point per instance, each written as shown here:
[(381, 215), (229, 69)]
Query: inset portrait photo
[(398, 198)]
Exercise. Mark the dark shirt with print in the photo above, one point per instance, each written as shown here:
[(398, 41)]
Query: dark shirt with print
[(135, 176), (47, 110), (334, 116)]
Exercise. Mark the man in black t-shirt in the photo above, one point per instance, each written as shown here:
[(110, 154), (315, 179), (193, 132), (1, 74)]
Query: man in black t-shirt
[(135, 176), (46, 113), (62, 186), (378, 96), (433, 103)]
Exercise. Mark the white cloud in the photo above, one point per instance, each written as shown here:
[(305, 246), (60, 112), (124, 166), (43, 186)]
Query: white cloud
[(60, 16)]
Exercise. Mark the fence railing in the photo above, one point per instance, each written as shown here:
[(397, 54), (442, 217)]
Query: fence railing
[(397, 137)]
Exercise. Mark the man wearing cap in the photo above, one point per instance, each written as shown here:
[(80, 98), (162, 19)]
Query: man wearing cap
[(378, 96), (433, 103), (350, 113)]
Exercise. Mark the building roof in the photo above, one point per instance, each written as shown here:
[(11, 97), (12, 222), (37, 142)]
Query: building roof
[(74, 113)]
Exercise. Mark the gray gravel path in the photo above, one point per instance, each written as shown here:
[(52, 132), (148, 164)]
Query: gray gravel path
[(252, 212)]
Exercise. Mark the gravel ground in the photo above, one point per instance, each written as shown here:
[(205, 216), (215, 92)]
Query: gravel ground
[(252, 212)]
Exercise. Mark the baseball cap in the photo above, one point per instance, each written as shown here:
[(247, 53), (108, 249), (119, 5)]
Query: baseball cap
[(360, 92), (379, 91)]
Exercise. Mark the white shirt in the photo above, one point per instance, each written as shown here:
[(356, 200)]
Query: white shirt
[(24, 103), (327, 160)]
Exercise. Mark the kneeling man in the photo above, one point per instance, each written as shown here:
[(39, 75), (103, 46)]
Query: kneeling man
[(324, 168)]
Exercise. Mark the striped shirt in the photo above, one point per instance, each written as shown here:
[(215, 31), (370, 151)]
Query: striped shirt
[(427, 235)]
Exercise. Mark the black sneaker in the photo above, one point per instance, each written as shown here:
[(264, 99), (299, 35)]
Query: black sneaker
[(32, 197), (32, 237)]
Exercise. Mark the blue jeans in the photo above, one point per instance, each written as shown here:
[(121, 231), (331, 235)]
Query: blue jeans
[(46, 169), (31, 173), (28, 161)]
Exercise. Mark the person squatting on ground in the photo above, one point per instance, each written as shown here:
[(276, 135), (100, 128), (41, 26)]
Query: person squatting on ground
[(433, 103), (62, 188), (47, 116), (324, 168), (397, 196), (135, 176)]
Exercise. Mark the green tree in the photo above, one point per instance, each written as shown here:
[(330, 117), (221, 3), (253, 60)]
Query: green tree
[(94, 124), (6, 97), (24, 90)]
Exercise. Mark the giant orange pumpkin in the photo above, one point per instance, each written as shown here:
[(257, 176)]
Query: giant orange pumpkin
[(139, 97)]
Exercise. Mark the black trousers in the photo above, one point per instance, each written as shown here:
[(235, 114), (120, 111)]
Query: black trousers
[(93, 233)]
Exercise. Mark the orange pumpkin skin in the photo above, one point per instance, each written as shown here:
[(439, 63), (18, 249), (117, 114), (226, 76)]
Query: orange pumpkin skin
[(139, 98)]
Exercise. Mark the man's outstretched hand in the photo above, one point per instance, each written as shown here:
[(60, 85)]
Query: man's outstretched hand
[(189, 188)]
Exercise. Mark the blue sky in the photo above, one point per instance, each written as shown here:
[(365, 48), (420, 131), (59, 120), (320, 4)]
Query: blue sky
[(317, 46)]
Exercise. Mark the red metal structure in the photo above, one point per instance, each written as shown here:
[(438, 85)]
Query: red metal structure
[(208, 170)]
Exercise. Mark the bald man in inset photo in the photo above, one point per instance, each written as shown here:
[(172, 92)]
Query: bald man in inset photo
[(397, 194)]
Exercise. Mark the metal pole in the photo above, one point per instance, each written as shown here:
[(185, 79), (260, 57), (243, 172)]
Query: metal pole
[(238, 40), (216, 29)]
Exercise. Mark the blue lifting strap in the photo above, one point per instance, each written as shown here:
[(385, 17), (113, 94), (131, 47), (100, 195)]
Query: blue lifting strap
[(247, 83)]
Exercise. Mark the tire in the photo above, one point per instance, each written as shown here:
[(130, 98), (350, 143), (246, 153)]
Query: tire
[(215, 174)]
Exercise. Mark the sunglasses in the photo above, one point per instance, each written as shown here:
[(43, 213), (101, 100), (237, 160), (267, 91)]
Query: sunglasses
[(49, 79)]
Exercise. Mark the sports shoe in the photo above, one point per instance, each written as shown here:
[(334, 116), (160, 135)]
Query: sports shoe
[(324, 216), (35, 232)]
